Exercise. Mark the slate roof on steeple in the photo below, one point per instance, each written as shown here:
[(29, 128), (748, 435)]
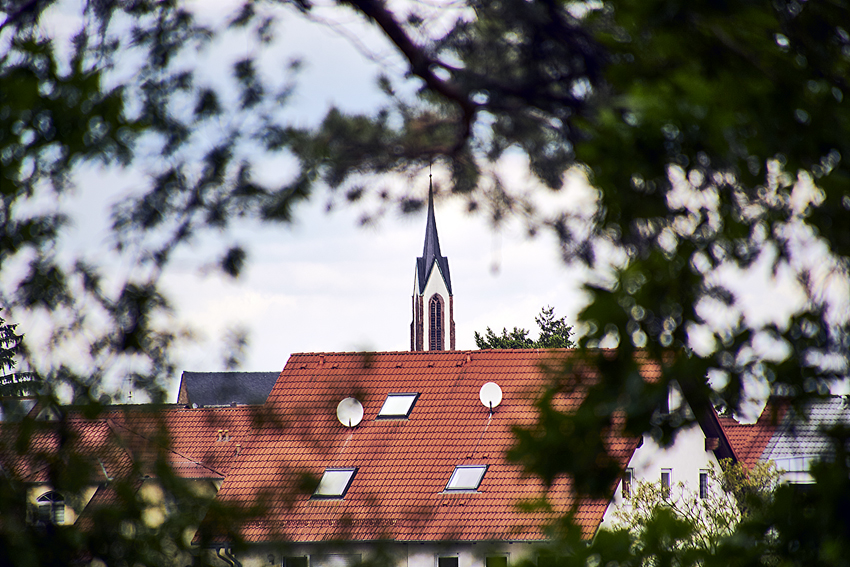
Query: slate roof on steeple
[(431, 251)]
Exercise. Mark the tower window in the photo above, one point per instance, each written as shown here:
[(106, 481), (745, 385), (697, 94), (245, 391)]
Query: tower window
[(436, 311), (51, 508)]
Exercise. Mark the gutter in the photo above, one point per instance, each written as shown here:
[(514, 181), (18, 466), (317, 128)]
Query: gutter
[(228, 557)]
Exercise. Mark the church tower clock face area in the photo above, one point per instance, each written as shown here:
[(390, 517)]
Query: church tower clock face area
[(433, 325)]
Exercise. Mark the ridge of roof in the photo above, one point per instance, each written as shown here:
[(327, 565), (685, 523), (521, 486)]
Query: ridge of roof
[(431, 250), (177, 463)]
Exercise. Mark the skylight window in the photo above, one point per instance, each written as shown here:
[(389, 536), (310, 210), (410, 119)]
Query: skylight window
[(397, 406), (334, 483), (466, 477)]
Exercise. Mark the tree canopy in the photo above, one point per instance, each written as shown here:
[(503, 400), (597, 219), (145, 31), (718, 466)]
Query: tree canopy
[(554, 333), (714, 136)]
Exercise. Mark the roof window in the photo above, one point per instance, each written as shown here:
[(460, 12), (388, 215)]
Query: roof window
[(397, 406), (334, 483), (466, 477)]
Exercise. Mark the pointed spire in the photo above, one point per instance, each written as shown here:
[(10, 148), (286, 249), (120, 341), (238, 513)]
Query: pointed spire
[(431, 249), (432, 239)]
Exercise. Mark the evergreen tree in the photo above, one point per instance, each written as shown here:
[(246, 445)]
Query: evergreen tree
[(554, 333), (13, 384)]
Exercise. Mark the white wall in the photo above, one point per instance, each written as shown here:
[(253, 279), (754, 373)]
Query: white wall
[(399, 554), (685, 458)]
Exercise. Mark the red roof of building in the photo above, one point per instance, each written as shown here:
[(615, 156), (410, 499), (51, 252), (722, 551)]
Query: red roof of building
[(750, 439), (208, 437), (403, 465)]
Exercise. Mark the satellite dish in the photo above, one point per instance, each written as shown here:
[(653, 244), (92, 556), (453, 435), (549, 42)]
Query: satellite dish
[(490, 395), (349, 412)]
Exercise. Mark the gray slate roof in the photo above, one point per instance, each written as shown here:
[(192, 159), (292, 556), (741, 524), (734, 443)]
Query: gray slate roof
[(225, 388), (431, 252), (800, 439)]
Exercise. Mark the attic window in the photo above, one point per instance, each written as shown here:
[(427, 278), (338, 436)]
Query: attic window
[(397, 406), (466, 477), (51, 508), (334, 483)]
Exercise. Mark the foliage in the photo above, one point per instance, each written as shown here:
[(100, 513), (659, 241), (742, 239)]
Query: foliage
[(13, 383), (799, 525), (554, 333), (715, 136), (751, 488), (732, 493)]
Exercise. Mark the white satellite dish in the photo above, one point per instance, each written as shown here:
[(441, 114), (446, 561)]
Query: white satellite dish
[(349, 412), (490, 395)]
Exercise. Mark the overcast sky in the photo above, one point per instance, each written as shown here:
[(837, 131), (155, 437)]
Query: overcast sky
[(327, 284)]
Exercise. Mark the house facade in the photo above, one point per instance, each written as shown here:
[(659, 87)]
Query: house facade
[(697, 448)]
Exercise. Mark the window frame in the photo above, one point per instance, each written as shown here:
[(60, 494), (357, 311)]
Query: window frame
[(466, 488), (50, 508), (628, 481), (341, 494), (436, 308), (666, 483), (398, 415), (703, 483)]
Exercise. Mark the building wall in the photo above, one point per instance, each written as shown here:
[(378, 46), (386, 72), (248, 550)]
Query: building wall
[(390, 553), (685, 459)]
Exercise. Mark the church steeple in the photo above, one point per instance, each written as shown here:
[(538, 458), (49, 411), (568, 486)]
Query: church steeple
[(433, 301)]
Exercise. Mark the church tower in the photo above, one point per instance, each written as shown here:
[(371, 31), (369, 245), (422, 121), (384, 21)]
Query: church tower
[(433, 326)]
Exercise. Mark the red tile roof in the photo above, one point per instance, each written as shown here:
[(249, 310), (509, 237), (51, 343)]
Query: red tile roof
[(209, 437), (403, 465), (198, 443), (750, 439), (49, 445)]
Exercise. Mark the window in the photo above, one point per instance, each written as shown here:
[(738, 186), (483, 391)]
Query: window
[(336, 560), (397, 406), (466, 477), (334, 483), (51, 508), (628, 478), (703, 484), (496, 561), (436, 336), (666, 474), (447, 561), (295, 561)]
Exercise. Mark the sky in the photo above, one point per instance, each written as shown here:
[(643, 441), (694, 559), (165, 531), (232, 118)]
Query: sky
[(326, 283)]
